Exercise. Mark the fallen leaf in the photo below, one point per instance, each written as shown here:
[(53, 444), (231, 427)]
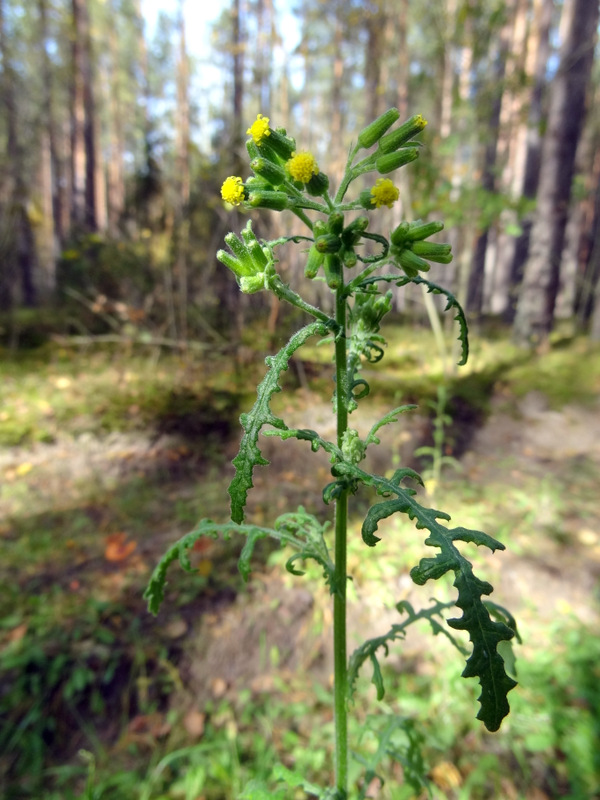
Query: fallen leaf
[(446, 776), (117, 547)]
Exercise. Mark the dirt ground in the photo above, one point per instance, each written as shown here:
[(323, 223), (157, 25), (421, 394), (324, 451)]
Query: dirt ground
[(526, 443)]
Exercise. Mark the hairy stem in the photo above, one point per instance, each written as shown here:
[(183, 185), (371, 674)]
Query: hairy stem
[(339, 599)]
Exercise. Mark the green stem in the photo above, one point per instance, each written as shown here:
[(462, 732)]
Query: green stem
[(339, 598)]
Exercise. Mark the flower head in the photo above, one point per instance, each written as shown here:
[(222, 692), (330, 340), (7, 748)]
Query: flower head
[(384, 193), (302, 166), (259, 128), (232, 190)]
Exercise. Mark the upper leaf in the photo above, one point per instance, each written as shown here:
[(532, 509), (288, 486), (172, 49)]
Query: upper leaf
[(249, 454), (451, 302), (301, 531)]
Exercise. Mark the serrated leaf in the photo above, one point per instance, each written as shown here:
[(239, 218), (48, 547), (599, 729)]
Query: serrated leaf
[(368, 649), (301, 531), (390, 417), (249, 455), (433, 288), (485, 662)]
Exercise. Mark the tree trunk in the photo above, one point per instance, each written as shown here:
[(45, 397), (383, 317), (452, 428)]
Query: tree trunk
[(535, 310), (528, 157), (488, 177), (183, 177)]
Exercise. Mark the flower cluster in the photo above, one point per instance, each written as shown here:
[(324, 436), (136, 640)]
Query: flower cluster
[(409, 248), (287, 178)]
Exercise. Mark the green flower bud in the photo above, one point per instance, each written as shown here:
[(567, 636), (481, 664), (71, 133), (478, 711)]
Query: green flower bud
[(335, 222), (333, 271), (349, 257), (328, 243), (234, 265), (313, 263), (423, 230), (253, 283), (399, 234), (352, 233), (268, 170), (373, 132), (252, 148), (318, 185), (319, 228), (402, 135), (241, 252), (433, 251), (277, 201), (283, 145), (253, 245), (366, 200), (392, 161), (411, 263)]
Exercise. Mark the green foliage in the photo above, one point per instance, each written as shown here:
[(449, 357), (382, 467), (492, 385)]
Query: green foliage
[(285, 179)]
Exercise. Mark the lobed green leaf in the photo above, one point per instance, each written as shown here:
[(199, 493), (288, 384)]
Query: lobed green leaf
[(485, 634), (433, 288), (249, 455), (299, 530)]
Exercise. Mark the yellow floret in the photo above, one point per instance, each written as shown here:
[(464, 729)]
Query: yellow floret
[(384, 193), (259, 128), (302, 166), (232, 190)]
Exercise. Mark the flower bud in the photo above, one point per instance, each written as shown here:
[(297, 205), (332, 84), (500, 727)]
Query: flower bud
[(252, 149), (434, 251), (392, 161), (268, 170), (333, 271), (349, 257), (352, 232), (373, 132), (335, 222), (366, 200), (423, 230), (399, 234), (411, 263), (318, 185), (277, 201), (241, 252), (253, 245), (313, 263), (319, 228), (329, 243), (253, 283), (402, 135), (283, 145)]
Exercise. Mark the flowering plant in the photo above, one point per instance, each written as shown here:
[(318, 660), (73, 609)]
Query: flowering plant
[(287, 179)]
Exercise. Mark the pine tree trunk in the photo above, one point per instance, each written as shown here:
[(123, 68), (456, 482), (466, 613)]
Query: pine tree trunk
[(528, 157), (535, 310)]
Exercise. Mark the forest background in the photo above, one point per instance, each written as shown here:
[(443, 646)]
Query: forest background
[(114, 145)]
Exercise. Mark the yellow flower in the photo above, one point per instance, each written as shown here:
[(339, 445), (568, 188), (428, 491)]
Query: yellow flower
[(232, 190), (302, 166), (384, 193), (259, 128)]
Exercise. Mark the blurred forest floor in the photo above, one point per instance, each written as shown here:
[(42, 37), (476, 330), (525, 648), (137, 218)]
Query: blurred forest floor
[(107, 458)]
